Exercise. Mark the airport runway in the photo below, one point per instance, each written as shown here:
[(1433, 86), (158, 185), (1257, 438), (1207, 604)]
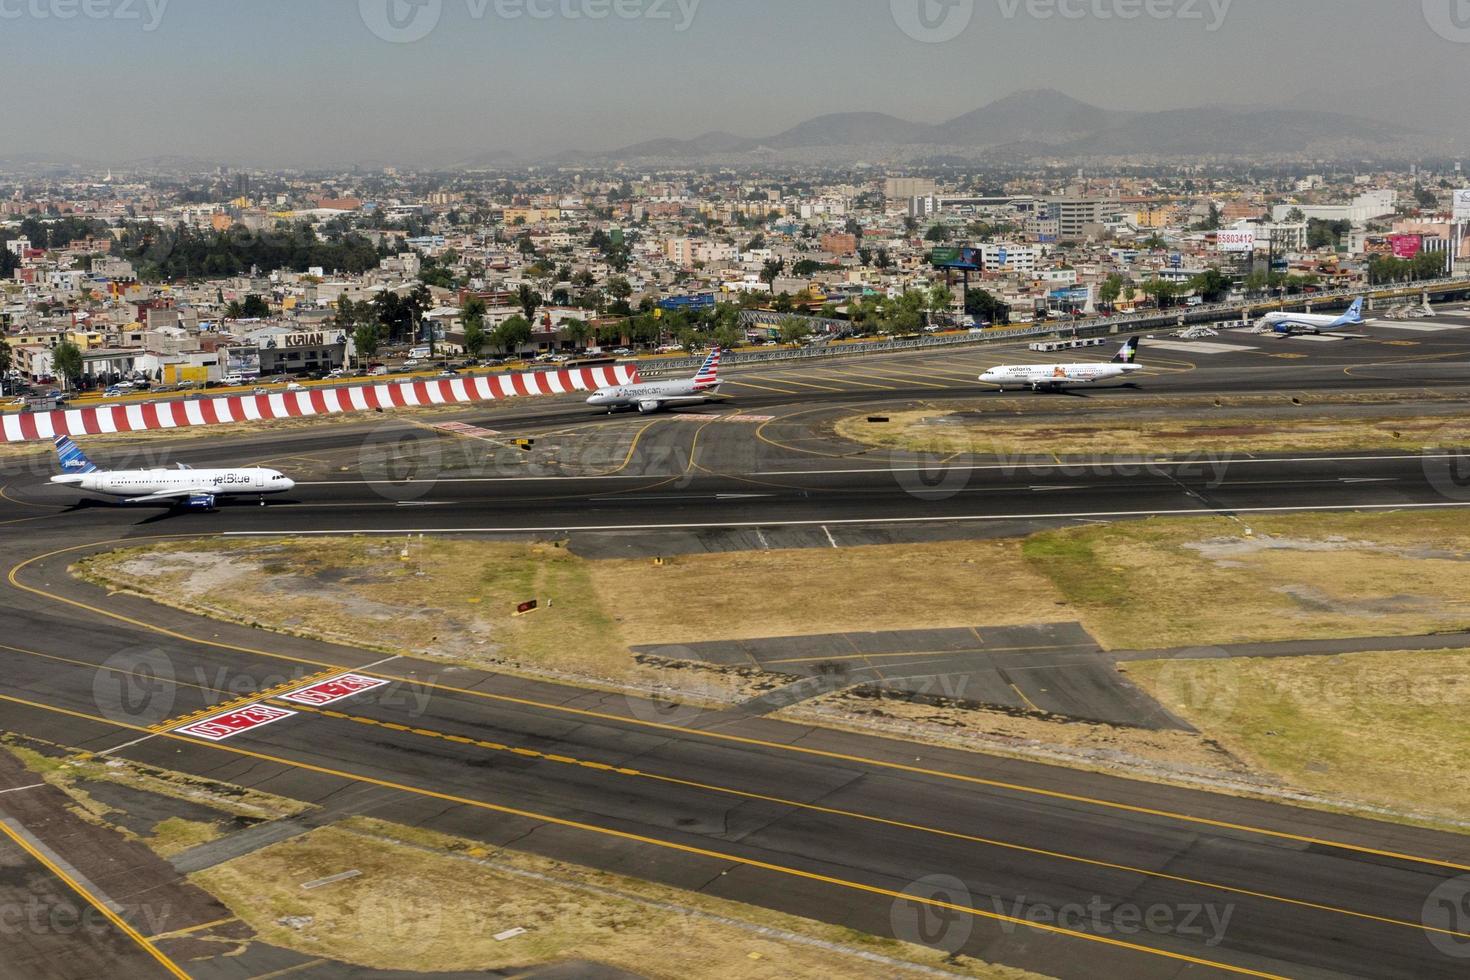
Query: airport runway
[(1064, 872)]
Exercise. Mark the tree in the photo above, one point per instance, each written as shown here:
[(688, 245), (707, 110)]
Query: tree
[(5, 361), (772, 270), (1110, 290), (941, 298), (513, 334), (794, 330), (939, 234), (66, 361), (981, 305), (473, 316), (1212, 284), (365, 338), (1295, 216), (579, 332), (529, 301), (254, 308)]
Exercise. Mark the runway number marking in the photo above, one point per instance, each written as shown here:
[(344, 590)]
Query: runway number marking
[(327, 692), (233, 723)]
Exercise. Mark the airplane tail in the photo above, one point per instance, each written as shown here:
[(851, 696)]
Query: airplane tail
[(709, 374), (1355, 312), (74, 462), (1129, 353)]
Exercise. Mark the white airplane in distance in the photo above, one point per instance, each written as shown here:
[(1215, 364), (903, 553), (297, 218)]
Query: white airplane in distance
[(1289, 323), (1055, 377), (655, 396), (182, 487)]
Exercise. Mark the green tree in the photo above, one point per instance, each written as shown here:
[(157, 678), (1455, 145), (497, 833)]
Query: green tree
[(6, 359), (1212, 285), (66, 361), (578, 332), (254, 308), (513, 334), (529, 301), (794, 330), (983, 306), (1110, 290), (366, 338), (473, 317)]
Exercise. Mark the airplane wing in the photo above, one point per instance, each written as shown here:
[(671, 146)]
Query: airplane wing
[(183, 493)]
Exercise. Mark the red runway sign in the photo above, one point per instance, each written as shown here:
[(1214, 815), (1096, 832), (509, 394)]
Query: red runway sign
[(232, 723), (327, 692)]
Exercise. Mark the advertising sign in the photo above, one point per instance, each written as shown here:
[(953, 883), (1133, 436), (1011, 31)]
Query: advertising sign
[(1462, 205), (1236, 241), (243, 362), (956, 258), (1406, 246)]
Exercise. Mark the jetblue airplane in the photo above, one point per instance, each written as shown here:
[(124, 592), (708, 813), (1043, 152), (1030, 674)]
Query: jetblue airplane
[(1055, 377), (655, 396), (1289, 323), (182, 487)]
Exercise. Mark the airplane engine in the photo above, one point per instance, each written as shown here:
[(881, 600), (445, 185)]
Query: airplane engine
[(200, 501)]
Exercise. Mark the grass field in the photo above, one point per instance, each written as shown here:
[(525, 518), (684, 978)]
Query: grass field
[(1202, 430), (1198, 581), (428, 903), (1384, 728)]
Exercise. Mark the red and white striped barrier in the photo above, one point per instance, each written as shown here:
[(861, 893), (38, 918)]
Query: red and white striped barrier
[(186, 413)]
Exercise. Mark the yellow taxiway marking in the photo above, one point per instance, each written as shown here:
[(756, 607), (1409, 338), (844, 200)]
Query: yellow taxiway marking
[(788, 379), (866, 817), (190, 930), (780, 747), (747, 384), (650, 841), (95, 902)]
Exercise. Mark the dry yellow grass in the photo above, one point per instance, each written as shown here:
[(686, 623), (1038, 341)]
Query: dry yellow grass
[(778, 593), (427, 910), (1387, 729), (927, 431), (1189, 582)]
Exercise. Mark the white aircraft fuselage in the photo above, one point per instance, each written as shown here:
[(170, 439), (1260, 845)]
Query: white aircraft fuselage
[(138, 484), (1038, 376)]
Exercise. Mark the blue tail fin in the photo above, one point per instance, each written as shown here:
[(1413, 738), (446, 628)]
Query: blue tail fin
[(73, 460), (1355, 312)]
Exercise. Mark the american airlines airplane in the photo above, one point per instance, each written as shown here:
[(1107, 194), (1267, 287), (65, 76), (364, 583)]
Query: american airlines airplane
[(1055, 377), (655, 396), (182, 487), (1289, 323)]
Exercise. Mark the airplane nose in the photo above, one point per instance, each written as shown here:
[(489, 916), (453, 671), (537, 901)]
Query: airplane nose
[(289, 484)]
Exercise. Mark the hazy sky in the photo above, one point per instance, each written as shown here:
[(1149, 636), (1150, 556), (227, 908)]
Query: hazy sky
[(312, 81)]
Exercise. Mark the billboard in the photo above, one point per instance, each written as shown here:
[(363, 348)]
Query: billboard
[(1462, 205), (242, 361), (1236, 241), (1406, 246), (957, 258), (699, 301)]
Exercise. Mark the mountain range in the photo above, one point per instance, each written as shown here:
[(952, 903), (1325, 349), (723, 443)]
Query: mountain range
[(1043, 123)]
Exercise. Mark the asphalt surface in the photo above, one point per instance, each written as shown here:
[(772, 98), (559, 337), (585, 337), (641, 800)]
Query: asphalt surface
[(1064, 872)]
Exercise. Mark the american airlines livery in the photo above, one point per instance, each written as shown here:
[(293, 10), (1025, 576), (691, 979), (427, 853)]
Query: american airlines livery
[(181, 487), (655, 396), (1314, 322), (1054, 377)]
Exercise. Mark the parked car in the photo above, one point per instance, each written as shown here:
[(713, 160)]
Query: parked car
[(295, 386)]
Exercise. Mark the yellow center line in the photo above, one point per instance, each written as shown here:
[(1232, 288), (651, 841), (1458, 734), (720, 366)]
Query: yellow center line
[(95, 902), (869, 818), (777, 747), (653, 842)]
